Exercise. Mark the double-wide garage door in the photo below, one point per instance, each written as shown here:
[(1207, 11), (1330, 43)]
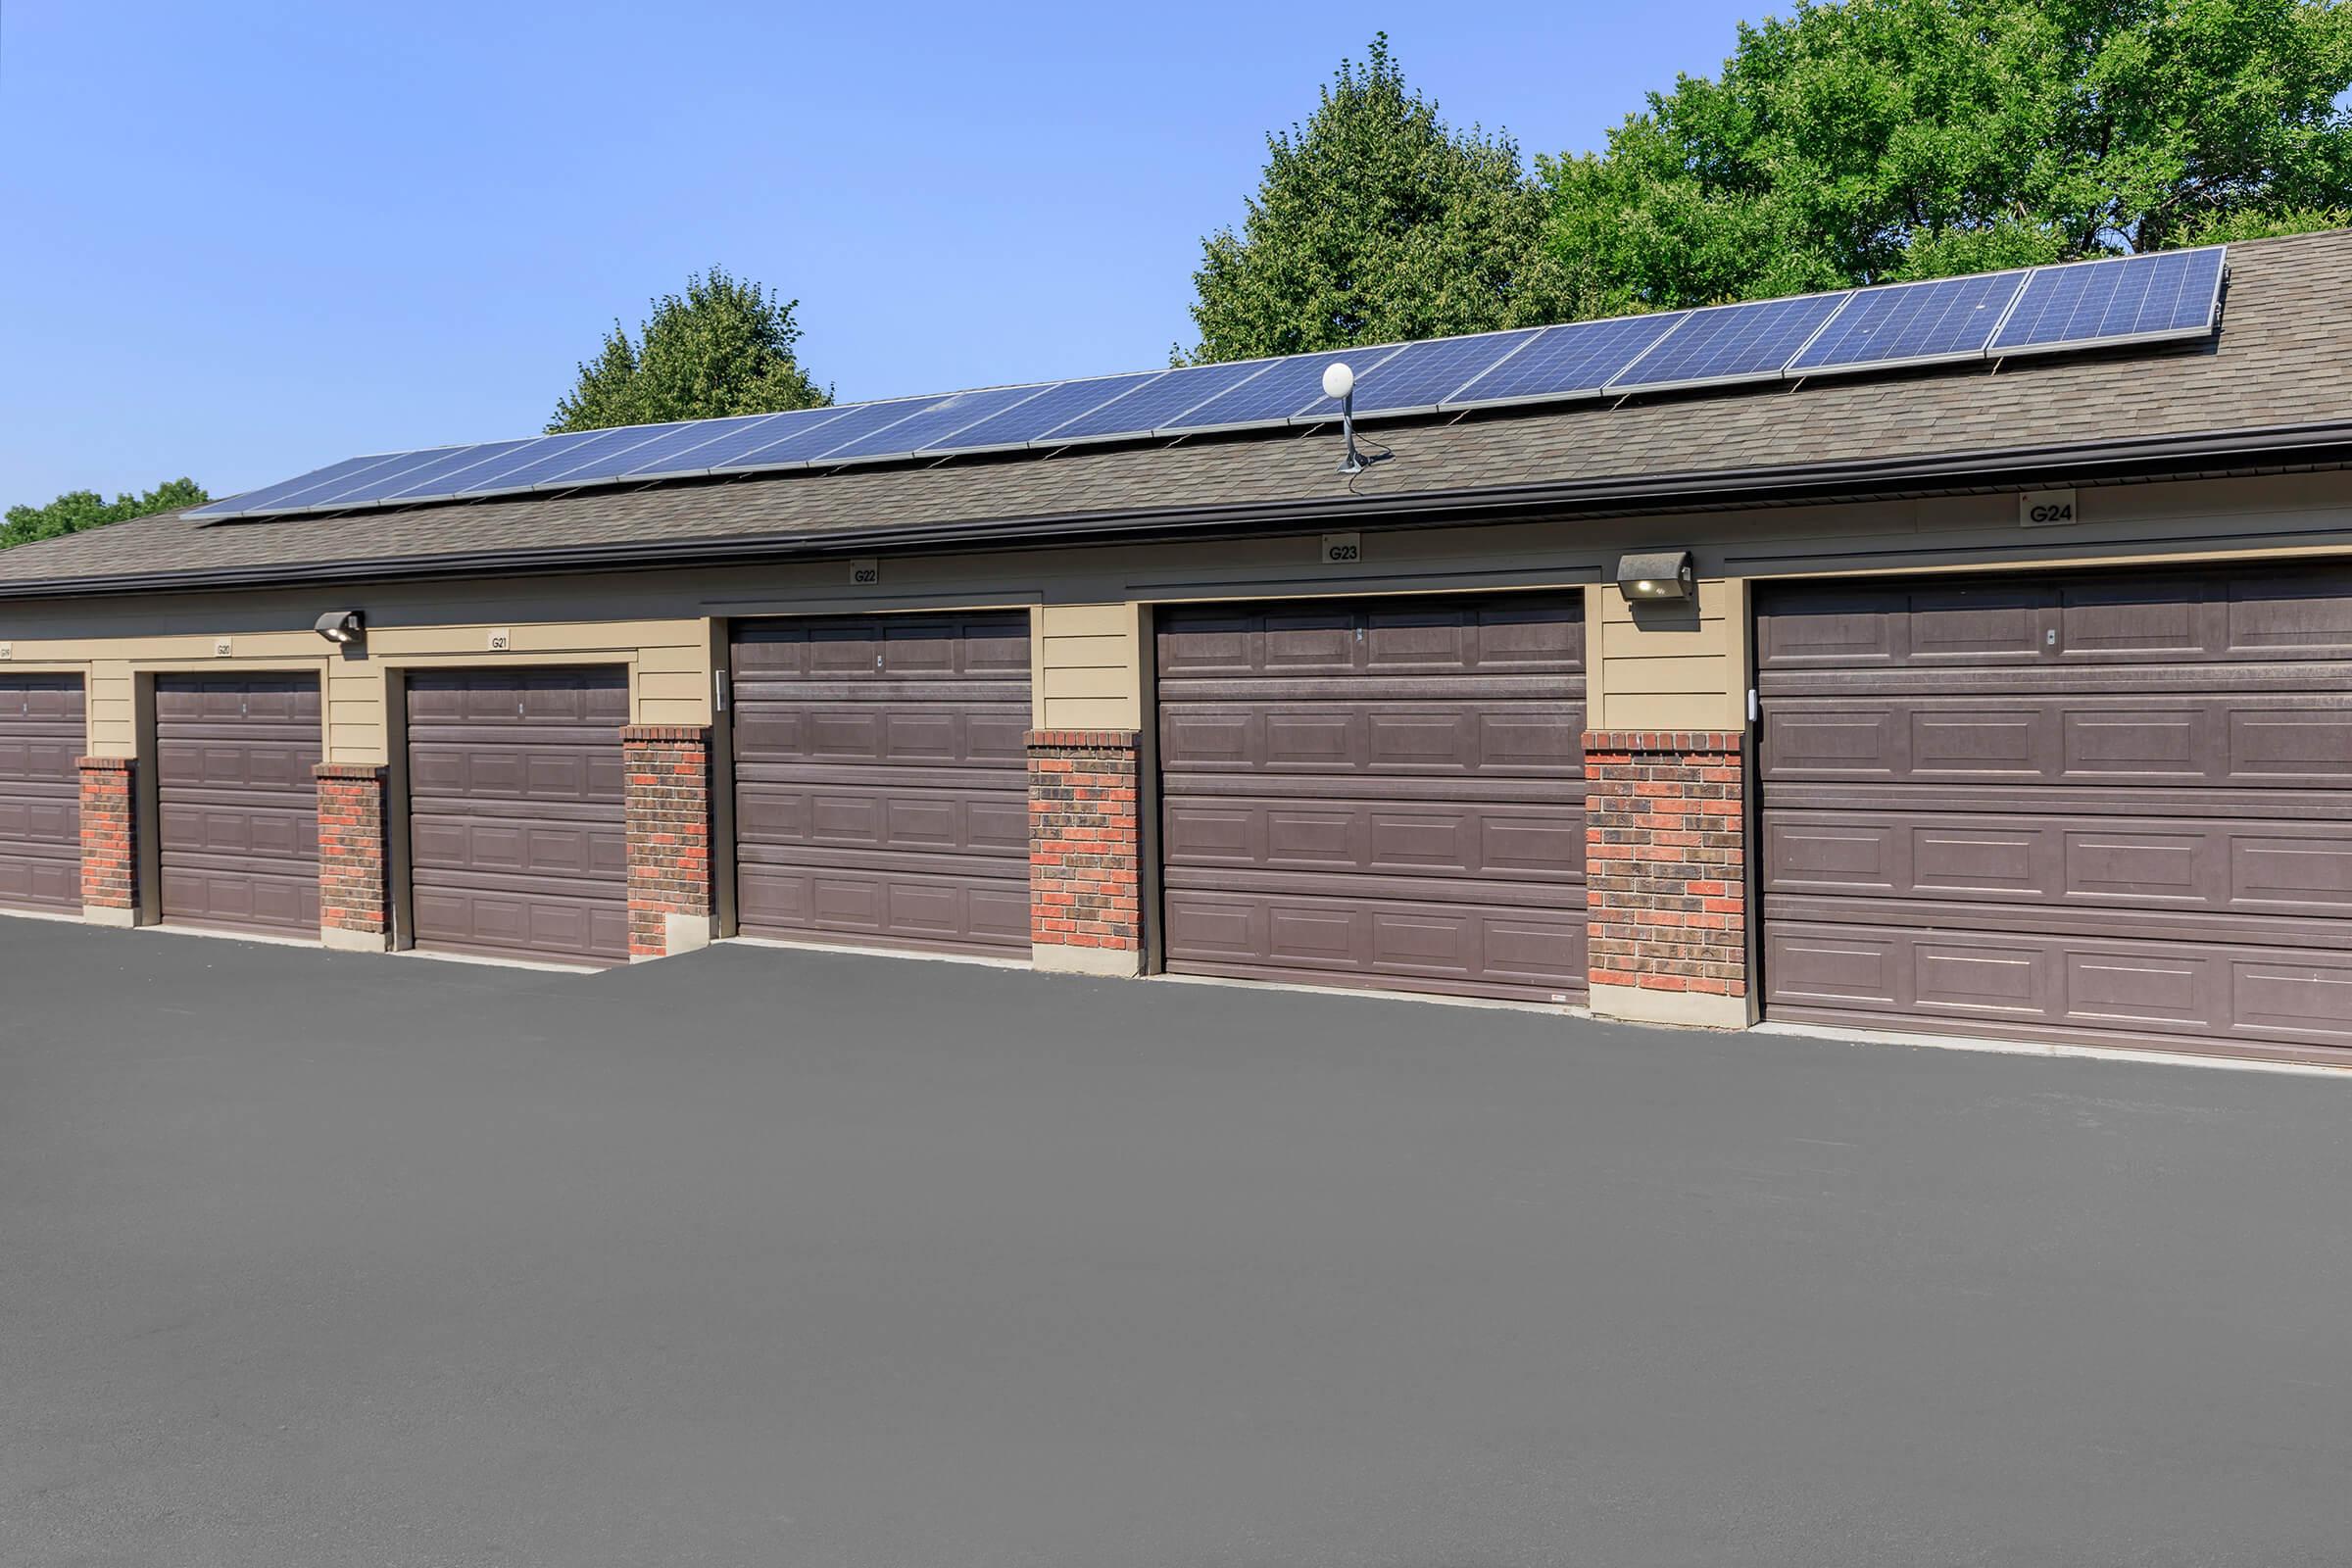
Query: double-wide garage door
[(2109, 810), (881, 790), (518, 825), (1383, 793), (42, 730)]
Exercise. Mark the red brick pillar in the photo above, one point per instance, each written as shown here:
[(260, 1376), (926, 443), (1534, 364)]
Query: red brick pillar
[(1666, 875), (110, 860), (1085, 900), (355, 901), (668, 770)]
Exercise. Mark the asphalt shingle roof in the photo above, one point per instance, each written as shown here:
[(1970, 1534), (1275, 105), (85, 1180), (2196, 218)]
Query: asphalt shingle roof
[(2283, 357)]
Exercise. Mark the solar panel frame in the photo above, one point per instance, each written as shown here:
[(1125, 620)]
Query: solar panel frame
[(1862, 301), (2209, 295), (1126, 381), (1608, 333), (1372, 386), (1799, 308), (1206, 419)]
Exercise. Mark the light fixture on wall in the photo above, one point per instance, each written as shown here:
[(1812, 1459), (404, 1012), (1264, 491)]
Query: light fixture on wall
[(1338, 384), (1665, 576), (342, 626)]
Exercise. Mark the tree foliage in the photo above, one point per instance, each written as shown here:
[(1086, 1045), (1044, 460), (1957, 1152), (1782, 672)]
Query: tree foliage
[(1886, 139), (725, 346), (1374, 221), (77, 510)]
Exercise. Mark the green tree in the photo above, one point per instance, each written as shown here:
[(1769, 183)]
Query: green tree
[(726, 346), (77, 510), (1375, 221), (1886, 139)]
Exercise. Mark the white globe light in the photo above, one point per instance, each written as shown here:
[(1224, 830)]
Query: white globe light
[(1337, 380)]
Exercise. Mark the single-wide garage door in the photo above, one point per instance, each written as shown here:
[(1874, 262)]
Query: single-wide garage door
[(238, 836), (43, 736), (518, 821), (2111, 810), (1382, 792), (881, 783)]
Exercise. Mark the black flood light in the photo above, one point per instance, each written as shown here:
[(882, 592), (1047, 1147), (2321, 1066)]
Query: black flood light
[(1655, 578), (340, 626)]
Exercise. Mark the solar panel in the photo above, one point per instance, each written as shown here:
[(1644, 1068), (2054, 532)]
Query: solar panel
[(542, 458), (287, 490), (944, 417), (811, 441), (375, 484), (1728, 343), (1162, 400), (1282, 389), (1422, 376), (1024, 422), (1911, 324), (1576, 358), (690, 446), (2084, 305), (2135, 300), (448, 477)]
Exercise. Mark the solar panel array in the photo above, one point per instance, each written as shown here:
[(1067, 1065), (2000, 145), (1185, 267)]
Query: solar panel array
[(2138, 299)]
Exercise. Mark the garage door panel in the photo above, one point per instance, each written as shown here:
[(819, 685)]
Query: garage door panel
[(43, 726), (517, 832), (1405, 947), (1380, 792), (2061, 985), (2141, 832), (890, 907), (882, 788), (237, 805)]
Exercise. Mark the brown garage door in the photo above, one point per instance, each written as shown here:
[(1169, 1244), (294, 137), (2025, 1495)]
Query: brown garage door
[(881, 787), (518, 825), (2113, 809), (1377, 793), (239, 832), (43, 733)]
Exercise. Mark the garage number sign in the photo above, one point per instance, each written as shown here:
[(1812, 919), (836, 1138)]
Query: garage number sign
[(500, 640), (2046, 509), (1342, 549), (864, 573)]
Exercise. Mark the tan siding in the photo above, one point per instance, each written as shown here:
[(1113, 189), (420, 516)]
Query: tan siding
[(1088, 667), (1670, 667), (670, 659)]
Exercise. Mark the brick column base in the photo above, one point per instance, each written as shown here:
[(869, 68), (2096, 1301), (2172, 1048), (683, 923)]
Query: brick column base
[(668, 771), (110, 860), (1666, 875), (355, 901), (1085, 900)]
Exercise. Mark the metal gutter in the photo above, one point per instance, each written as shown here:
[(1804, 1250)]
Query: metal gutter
[(2080, 463)]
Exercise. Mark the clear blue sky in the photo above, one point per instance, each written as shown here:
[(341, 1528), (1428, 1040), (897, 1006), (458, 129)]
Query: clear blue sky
[(240, 240)]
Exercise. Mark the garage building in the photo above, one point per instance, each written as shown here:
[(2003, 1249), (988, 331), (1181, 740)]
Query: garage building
[(1969, 658)]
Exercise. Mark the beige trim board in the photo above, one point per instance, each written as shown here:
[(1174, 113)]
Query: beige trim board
[(1689, 1009), (1123, 963)]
